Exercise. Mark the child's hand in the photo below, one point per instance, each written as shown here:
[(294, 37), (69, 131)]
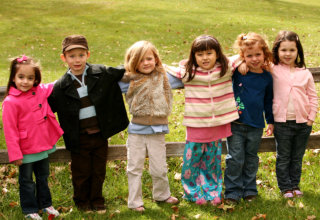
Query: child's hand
[(269, 130), (243, 69), (309, 123), (17, 162)]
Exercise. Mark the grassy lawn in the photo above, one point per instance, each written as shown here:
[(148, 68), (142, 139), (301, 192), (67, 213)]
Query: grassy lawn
[(37, 28)]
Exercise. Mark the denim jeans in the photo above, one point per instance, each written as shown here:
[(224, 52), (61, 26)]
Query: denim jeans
[(291, 140), (242, 161), (34, 195)]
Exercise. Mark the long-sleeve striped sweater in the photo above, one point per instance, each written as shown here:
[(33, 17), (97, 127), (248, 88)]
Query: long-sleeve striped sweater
[(209, 98)]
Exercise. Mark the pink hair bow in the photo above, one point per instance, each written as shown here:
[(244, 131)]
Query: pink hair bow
[(23, 58)]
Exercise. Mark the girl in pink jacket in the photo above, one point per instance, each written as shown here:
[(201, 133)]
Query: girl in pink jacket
[(295, 106), (31, 132)]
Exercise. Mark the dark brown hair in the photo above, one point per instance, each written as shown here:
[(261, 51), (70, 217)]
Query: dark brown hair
[(288, 36), (203, 43), (14, 67)]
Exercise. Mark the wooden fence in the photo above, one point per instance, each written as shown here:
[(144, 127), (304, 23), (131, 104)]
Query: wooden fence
[(174, 149)]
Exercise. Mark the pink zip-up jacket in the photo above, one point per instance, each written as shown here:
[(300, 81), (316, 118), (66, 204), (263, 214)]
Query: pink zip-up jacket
[(28, 122), (303, 91)]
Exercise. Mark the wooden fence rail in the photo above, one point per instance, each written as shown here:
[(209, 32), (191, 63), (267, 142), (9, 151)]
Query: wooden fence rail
[(174, 149)]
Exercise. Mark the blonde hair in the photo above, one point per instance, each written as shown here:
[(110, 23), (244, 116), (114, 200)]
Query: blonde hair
[(135, 54), (245, 41)]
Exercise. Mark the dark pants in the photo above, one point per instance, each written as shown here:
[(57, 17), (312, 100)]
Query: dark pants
[(34, 195), (242, 161), (291, 140), (88, 169)]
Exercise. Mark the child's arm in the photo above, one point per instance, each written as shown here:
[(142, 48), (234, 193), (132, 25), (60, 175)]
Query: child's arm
[(177, 72), (116, 72), (243, 69), (124, 86), (234, 62), (268, 108), (175, 83), (270, 129), (313, 99), (17, 162), (11, 131)]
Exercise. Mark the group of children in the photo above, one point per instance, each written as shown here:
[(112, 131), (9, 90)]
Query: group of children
[(224, 98)]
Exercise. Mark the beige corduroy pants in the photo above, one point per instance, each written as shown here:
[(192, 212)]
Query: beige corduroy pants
[(138, 145)]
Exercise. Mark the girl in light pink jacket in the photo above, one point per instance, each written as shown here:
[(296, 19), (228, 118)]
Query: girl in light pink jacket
[(295, 106), (31, 132)]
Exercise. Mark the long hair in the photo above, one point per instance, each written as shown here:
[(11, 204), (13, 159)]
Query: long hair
[(245, 41), (288, 36), (135, 54), (16, 64), (203, 43)]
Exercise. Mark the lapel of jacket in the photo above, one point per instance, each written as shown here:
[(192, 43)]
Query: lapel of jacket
[(69, 89), (92, 78)]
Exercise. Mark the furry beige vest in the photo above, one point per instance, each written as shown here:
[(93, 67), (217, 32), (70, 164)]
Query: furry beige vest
[(149, 98)]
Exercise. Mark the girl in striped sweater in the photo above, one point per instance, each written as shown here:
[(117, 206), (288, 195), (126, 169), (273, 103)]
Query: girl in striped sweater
[(209, 109)]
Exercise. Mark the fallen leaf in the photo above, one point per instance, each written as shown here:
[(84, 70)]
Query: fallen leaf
[(290, 203), (225, 207), (259, 216), (177, 176), (312, 217), (197, 216), (4, 190), (175, 209), (259, 182), (13, 204), (301, 206)]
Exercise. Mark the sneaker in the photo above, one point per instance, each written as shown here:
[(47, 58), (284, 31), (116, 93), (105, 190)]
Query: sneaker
[(33, 216), (201, 201), (216, 201), (297, 193), (230, 201), (51, 211), (288, 195)]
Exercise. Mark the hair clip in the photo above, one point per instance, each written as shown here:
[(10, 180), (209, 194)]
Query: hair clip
[(244, 37), (297, 38), (23, 58)]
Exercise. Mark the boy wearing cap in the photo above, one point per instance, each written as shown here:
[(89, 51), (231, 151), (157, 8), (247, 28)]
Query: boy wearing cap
[(90, 108)]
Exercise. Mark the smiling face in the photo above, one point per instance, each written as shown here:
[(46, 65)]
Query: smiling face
[(25, 77), (206, 59), (254, 58), (288, 53), (147, 63), (76, 60)]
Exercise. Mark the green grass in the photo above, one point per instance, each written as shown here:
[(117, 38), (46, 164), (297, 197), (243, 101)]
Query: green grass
[(37, 28)]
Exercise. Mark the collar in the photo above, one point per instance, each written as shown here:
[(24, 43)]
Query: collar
[(16, 92)]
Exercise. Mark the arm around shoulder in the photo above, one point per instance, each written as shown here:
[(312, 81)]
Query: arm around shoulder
[(116, 72)]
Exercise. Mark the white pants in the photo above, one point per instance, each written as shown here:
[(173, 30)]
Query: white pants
[(137, 147)]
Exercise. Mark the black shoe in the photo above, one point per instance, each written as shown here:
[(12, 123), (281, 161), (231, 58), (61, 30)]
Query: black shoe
[(230, 201), (250, 198)]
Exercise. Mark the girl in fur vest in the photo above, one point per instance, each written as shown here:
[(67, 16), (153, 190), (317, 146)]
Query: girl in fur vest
[(149, 98)]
